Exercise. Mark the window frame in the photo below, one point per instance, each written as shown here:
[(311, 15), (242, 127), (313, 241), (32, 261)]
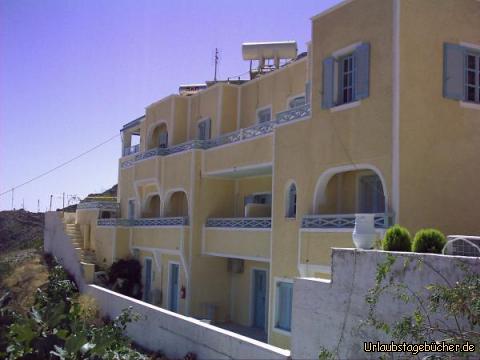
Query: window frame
[(288, 207), (263, 109), (295, 97), (476, 70), (341, 86), (277, 306), (204, 121)]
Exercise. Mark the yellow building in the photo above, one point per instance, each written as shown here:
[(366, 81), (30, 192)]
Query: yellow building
[(235, 188)]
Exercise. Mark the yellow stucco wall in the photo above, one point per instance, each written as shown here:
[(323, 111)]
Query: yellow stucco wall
[(439, 140), (315, 247), (237, 243), (271, 90), (164, 237)]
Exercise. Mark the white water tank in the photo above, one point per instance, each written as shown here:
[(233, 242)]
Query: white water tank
[(269, 50), (364, 234)]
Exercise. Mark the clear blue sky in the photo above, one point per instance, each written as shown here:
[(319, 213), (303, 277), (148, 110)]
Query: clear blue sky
[(73, 72)]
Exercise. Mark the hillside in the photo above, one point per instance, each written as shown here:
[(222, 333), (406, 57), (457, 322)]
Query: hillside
[(20, 229)]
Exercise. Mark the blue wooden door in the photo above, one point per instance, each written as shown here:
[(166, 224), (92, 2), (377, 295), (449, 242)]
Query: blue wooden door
[(147, 289), (173, 288), (259, 298)]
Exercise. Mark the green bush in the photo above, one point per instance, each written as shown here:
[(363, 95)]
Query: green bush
[(125, 277), (429, 241), (397, 238)]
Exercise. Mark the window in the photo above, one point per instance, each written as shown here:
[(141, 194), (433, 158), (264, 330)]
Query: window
[(264, 115), (297, 101), (163, 139), (346, 76), (346, 73), (472, 77), (291, 202), (371, 198), (283, 315), (461, 73), (258, 199), (204, 129)]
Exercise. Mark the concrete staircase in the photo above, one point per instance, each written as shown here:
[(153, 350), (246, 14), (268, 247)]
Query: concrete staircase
[(84, 255)]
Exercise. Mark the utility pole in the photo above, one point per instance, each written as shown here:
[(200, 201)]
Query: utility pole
[(51, 197), (38, 205), (12, 197), (216, 64), (63, 202), (23, 204)]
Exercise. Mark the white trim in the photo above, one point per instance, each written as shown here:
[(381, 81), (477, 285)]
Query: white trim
[(251, 313), (331, 9), (395, 201), (470, 45), (252, 258), (237, 168), (275, 305), (346, 106), (170, 263), (346, 50), (261, 109), (161, 250), (469, 105)]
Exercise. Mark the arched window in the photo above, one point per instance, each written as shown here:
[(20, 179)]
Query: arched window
[(291, 208)]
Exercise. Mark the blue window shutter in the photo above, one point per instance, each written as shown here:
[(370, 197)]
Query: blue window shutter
[(328, 75), (453, 71), (362, 70)]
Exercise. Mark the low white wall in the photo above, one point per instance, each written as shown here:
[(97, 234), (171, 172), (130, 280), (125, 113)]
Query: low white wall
[(329, 313), (173, 334), (57, 243)]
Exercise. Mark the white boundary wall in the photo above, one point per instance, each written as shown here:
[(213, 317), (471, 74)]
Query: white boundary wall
[(329, 313), (158, 329)]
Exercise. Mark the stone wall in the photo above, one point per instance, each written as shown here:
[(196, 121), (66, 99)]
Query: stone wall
[(329, 313)]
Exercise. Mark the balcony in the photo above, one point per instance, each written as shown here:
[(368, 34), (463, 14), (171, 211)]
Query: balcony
[(161, 221), (166, 233), (343, 221), (251, 132), (130, 150), (241, 238)]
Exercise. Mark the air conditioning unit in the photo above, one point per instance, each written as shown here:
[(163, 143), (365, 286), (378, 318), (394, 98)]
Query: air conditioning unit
[(235, 266)]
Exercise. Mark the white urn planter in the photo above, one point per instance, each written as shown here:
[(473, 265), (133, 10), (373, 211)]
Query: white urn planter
[(364, 234)]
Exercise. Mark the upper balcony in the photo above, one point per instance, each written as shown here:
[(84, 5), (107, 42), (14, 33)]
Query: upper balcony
[(239, 136)]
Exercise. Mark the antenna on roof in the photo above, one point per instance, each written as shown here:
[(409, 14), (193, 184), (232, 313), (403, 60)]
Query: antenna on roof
[(216, 64)]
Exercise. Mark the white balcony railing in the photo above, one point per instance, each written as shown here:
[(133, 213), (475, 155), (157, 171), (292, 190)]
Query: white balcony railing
[(163, 221), (236, 136), (339, 221), (249, 223)]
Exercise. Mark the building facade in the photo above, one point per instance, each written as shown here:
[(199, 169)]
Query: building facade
[(234, 190)]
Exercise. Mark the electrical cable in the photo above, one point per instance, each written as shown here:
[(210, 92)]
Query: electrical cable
[(59, 166)]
